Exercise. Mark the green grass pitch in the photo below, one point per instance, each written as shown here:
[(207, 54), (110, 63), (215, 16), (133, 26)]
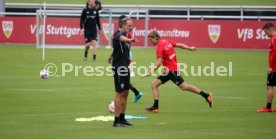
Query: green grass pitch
[(162, 2), (32, 108)]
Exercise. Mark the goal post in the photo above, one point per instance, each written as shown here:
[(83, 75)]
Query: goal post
[(61, 28)]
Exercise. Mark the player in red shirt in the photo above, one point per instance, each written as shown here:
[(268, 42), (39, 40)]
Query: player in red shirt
[(271, 77), (166, 56)]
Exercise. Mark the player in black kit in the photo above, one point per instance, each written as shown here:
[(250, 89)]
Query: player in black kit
[(89, 22), (120, 63)]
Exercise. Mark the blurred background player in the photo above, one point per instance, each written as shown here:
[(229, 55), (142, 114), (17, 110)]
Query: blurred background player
[(166, 56), (89, 21), (120, 63), (271, 77), (137, 93)]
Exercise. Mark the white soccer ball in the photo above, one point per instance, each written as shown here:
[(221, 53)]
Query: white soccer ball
[(111, 107), (44, 74)]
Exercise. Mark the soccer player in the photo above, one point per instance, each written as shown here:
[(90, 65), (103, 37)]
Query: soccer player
[(120, 63), (89, 22), (271, 77), (137, 93), (166, 56)]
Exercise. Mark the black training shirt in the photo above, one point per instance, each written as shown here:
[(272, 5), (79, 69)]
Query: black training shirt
[(90, 18), (120, 50)]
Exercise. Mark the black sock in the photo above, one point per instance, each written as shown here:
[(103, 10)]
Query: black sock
[(94, 57), (155, 104), (116, 119), (85, 53), (122, 117), (205, 95), (135, 91), (268, 105)]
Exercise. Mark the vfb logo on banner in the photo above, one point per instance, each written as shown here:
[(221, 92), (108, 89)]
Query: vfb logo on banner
[(7, 27), (214, 32)]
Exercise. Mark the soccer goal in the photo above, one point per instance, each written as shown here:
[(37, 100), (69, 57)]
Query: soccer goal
[(61, 28)]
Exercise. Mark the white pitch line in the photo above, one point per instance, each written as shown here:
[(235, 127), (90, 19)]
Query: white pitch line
[(50, 114), (46, 89), (229, 97), (129, 112)]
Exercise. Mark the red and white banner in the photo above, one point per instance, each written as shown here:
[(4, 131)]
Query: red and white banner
[(202, 34)]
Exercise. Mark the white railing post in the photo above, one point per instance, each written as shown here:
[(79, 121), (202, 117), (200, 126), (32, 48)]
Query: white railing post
[(110, 29), (188, 13), (2, 6), (241, 13), (146, 29), (44, 32)]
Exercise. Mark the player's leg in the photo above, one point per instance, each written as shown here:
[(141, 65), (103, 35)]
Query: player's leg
[(208, 96), (271, 81), (138, 94), (270, 95), (118, 99), (126, 82), (118, 109), (178, 80), (123, 110), (154, 86), (94, 45), (87, 44), (94, 37), (124, 102)]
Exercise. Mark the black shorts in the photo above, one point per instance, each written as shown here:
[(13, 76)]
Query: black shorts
[(174, 76), (121, 80), (271, 79), (90, 35)]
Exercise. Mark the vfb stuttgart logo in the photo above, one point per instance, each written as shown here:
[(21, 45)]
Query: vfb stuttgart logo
[(214, 32), (7, 27), (106, 30)]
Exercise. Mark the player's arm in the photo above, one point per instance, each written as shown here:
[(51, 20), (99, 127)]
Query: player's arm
[(157, 64), (110, 58), (82, 19), (184, 46), (98, 20), (125, 39)]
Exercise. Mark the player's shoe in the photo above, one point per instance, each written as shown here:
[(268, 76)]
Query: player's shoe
[(265, 109), (137, 97), (209, 100), (152, 109), (126, 123), (119, 124), (84, 58)]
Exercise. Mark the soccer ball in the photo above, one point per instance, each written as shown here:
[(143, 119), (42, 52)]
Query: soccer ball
[(111, 107), (44, 74)]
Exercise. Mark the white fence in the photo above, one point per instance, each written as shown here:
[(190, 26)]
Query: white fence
[(188, 9)]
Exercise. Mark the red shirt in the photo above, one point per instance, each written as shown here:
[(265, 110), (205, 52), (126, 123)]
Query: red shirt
[(165, 50), (272, 53)]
